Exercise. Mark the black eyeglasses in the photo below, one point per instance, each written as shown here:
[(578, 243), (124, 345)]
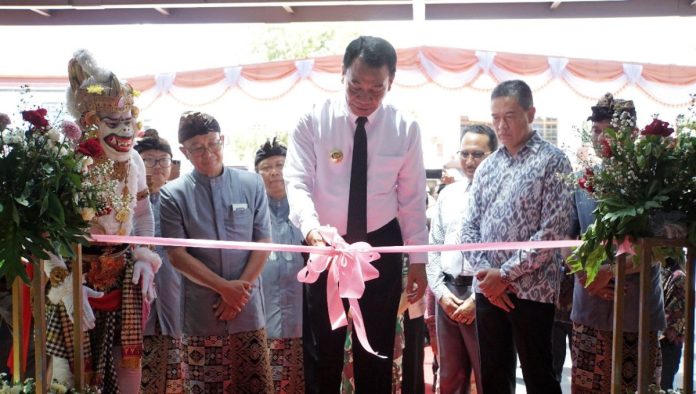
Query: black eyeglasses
[(163, 162), (212, 148), (476, 154)]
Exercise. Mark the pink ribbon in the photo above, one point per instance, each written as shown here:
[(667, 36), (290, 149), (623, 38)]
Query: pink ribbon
[(271, 247), (349, 265), (348, 269)]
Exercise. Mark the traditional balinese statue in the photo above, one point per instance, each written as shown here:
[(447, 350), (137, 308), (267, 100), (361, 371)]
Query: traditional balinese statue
[(117, 281)]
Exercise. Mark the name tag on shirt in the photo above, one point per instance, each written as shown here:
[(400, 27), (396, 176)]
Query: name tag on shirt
[(239, 207)]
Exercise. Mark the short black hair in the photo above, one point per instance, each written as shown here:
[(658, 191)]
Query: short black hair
[(517, 89), (374, 51), (485, 130), (152, 141)]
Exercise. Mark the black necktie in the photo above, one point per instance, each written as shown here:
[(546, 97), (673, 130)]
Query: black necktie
[(357, 200)]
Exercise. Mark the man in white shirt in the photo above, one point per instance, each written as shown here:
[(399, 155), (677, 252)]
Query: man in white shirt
[(450, 274), (388, 162)]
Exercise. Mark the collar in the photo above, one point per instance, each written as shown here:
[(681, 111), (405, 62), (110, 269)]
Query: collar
[(533, 145), (352, 118), (204, 178)]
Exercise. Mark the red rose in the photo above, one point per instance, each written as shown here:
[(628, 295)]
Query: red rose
[(585, 183), (606, 149), (91, 148), (36, 117), (589, 172), (658, 127)]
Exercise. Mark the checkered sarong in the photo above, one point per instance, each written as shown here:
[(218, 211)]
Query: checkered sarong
[(122, 327)]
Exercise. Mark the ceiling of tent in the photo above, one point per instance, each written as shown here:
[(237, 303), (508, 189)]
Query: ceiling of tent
[(96, 12)]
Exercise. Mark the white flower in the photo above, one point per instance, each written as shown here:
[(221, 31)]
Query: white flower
[(58, 388), (12, 137), (87, 214), (53, 135), (84, 163), (63, 150), (689, 132)]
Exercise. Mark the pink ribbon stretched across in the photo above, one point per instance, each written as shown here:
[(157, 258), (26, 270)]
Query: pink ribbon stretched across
[(270, 247), (348, 269), (349, 265)]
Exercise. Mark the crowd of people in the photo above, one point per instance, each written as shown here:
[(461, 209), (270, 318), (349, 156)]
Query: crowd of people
[(239, 321)]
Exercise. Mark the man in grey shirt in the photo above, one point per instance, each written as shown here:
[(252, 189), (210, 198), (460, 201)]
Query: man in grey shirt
[(518, 194), (224, 336)]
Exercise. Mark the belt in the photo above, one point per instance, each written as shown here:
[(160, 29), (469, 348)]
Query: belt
[(461, 280)]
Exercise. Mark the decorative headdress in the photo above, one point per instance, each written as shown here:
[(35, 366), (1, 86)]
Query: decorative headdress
[(270, 149), (94, 89), (192, 124), (607, 106), (152, 141)]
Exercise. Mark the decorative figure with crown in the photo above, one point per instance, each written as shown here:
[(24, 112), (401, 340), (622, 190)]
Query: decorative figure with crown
[(117, 283)]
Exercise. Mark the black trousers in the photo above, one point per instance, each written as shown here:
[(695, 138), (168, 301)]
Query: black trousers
[(412, 377), (527, 329), (379, 305)]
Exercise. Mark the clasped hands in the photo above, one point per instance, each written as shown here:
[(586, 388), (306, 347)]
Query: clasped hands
[(460, 311), (601, 286), (234, 295), (493, 288)]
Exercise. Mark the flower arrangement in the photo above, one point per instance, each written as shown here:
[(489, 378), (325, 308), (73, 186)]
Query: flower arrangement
[(50, 192), (644, 174)]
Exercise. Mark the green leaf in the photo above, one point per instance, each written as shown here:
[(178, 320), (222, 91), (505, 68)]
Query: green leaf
[(22, 201), (15, 214), (621, 213), (56, 208), (44, 205)]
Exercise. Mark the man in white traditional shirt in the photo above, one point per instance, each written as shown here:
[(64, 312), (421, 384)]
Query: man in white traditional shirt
[(450, 274), (356, 164)]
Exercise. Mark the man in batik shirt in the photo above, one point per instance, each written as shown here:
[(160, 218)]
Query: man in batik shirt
[(518, 194)]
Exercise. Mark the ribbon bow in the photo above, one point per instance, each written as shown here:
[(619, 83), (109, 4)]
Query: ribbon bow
[(348, 269)]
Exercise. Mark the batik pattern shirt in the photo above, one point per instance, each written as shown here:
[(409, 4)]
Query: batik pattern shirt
[(675, 293), (521, 198)]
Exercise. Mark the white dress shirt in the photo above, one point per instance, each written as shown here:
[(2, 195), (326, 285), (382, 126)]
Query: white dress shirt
[(445, 229), (318, 185)]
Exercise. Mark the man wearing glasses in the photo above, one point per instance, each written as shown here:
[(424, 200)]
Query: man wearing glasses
[(450, 274), (224, 339), (161, 364)]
